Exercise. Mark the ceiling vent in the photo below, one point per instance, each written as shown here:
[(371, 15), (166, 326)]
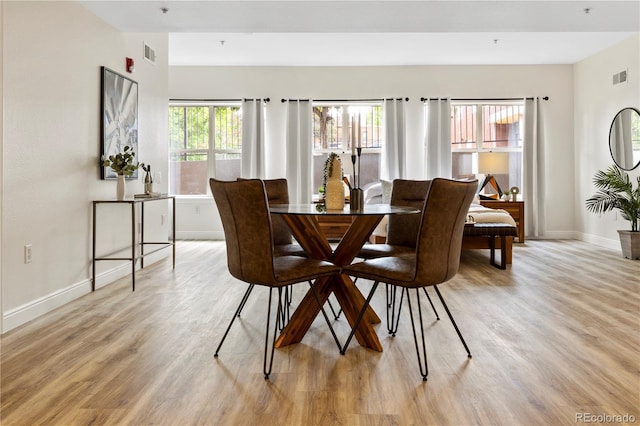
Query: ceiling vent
[(149, 53)]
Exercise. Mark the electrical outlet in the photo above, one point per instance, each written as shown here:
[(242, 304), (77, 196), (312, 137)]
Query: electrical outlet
[(27, 253), (197, 209), (163, 219)]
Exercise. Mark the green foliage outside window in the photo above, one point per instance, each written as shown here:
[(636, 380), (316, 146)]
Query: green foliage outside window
[(190, 127)]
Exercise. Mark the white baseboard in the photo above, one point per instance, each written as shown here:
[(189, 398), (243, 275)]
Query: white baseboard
[(199, 235), (32, 310), (557, 235), (599, 241)]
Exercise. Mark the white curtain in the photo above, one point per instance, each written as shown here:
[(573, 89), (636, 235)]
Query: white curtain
[(438, 138), (393, 158), (533, 169), (299, 151), (253, 155)]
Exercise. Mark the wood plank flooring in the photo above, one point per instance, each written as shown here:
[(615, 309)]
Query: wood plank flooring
[(555, 338)]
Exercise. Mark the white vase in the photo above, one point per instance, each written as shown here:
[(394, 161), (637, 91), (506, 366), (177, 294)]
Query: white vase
[(120, 188)]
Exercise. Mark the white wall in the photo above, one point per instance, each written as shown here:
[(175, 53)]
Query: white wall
[(555, 81), (52, 56), (597, 102), (1, 146)]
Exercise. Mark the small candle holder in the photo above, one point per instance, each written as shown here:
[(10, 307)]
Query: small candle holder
[(356, 195), (356, 200)]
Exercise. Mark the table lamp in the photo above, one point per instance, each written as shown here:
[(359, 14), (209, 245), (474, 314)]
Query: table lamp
[(490, 163)]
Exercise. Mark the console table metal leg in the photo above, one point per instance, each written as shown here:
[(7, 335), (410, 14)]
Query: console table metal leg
[(133, 247), (141, 235), (173, 230), (93, 251)]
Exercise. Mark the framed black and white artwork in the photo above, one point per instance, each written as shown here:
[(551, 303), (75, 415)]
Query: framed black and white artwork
[(119, 117)]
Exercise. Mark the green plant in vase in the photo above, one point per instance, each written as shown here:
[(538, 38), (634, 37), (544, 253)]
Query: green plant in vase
[(122, 162), (123, 165)]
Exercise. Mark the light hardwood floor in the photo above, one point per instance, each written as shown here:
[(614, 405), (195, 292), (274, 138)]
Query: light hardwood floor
[(554, 337)]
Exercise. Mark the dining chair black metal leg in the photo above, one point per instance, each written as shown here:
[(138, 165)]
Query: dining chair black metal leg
[(235, 315), (431, 303), (360, 315), (446, 308), (290, 293), (393, 317), (286, 307), (244, 300), (267, 371), (324, 314), (422, 357), (333, 311)]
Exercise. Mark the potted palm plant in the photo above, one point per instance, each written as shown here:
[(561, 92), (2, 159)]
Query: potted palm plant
[(616, 191)]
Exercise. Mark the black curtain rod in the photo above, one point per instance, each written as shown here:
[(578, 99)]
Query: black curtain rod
[(220, 100), (343, 100), (546, 98)]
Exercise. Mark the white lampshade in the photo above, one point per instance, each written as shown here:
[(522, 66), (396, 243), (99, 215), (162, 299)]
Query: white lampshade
[(493, 163)]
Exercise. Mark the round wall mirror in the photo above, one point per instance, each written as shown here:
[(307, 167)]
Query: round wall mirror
[(624, 139)]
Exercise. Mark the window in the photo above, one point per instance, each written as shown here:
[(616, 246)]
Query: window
[(487, 127), (204, 140), (333, 125)]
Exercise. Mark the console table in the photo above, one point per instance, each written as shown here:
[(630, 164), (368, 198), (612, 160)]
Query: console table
[(132, 202)]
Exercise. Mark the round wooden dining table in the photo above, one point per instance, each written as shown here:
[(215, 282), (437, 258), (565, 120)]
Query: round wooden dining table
[(303, 222)]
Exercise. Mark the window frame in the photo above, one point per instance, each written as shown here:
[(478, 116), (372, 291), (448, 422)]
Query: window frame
[(479, 137), (479, 133), (211, 151), (345, 150), (345, 147)]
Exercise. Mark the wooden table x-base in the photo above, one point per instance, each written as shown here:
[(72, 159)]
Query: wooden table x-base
[(307, 231)]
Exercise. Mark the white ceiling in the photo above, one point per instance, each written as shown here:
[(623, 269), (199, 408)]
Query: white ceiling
[(363, 32)]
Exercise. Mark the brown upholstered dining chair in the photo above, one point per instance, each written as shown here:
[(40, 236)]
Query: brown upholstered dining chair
[(402, 229), (402, 236), (244, 211), (283, 243), (436, 258), (278, 193)]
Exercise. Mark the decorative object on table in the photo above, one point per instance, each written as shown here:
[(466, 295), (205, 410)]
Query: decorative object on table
[(148, 179), (514, 191), (356, 196), (118, 118), (333, 185), (489, 164), (122, 165), (616, 191)]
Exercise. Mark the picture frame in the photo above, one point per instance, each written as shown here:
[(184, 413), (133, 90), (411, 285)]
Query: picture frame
[(118, 118)]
